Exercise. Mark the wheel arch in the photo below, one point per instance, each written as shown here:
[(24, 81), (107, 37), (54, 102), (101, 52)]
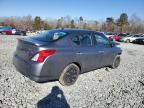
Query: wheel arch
[(78, 64)]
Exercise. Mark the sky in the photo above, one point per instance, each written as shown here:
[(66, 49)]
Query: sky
[(89, 9)]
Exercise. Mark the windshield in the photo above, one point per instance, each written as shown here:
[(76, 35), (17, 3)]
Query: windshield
[(50, 36), (122, 35), (109, 34), (6, 28)]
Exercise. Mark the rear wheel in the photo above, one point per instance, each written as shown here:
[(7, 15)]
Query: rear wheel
[(69, 75), (116, 62)]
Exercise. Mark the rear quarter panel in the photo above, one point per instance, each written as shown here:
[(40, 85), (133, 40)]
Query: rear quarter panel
[(65, 55)]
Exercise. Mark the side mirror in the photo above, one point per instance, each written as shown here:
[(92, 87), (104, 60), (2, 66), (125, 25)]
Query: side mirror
[(113, 44)]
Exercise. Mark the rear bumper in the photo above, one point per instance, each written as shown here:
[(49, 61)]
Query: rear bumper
[(31, 70)]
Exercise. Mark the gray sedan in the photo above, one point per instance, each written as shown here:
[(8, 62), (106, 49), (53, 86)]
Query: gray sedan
[(63, 54)]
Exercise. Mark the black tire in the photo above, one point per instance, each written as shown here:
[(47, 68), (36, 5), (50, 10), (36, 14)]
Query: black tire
[(116, 62), (133, 42), (127, 41), (69, 75)]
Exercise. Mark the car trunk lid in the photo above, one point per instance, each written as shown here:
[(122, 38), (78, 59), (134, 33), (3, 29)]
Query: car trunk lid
[(28, 47)]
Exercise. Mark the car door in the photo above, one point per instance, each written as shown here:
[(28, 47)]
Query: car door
[(88, 56), (134, 37), (105, 49)]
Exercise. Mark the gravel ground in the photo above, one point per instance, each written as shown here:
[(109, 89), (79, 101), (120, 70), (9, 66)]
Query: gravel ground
[(102, 88)]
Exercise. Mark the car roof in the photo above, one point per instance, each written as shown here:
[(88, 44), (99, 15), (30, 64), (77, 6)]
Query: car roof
[(69, 30)]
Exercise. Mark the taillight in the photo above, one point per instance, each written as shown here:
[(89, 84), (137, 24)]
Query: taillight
[(42, 55)]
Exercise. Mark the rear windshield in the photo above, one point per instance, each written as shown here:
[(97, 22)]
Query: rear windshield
[(109, 34), (50, 36)]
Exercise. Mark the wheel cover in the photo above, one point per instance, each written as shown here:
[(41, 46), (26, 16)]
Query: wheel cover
[(71, 75)]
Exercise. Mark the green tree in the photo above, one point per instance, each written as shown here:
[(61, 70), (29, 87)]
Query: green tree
[(122, 21), (59, 23), (2, 24), (72, 24), (110, 23), (81, 19), (47, 27), (110, 20), (37, 23), (81, 22), (85, 26)]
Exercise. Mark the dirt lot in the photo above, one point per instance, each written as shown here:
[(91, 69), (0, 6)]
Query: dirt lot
[(102, 88)]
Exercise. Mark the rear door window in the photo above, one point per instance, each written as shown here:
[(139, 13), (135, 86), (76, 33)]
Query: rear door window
[(82, 39), (75, 39), (136, 36)]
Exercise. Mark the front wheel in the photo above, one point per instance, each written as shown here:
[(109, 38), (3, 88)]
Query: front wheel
[(116, 62), (69, 75)]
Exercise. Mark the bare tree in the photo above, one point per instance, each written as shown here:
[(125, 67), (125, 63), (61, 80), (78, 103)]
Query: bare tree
[(133, 25)]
